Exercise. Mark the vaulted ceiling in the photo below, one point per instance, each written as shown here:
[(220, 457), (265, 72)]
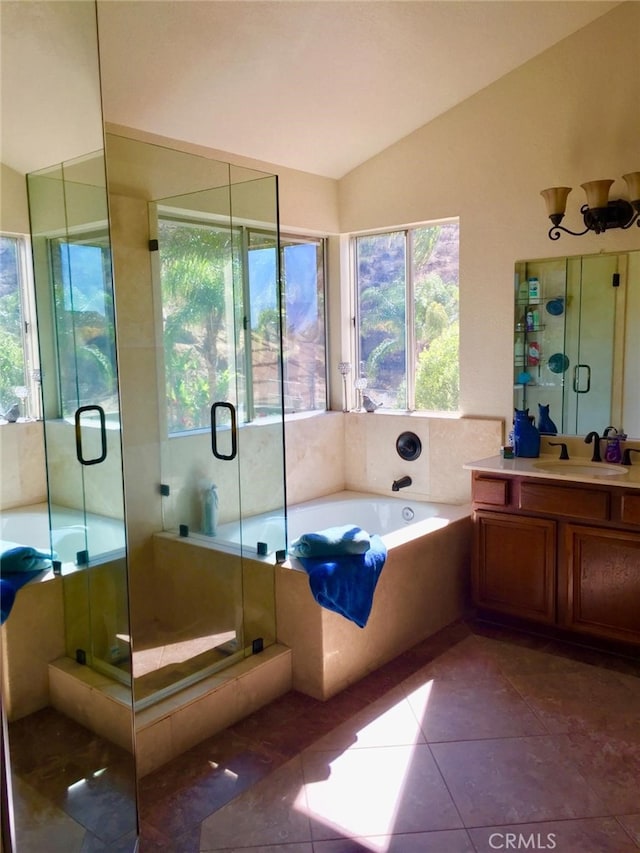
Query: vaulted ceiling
[(316, 85)]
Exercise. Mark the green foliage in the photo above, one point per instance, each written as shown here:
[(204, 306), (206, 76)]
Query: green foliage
[(10, 314), (196, 264), (11, 353), (11, 369), (381, 282), (437, 375)]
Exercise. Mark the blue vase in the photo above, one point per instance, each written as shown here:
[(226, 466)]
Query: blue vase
[(526, 438)]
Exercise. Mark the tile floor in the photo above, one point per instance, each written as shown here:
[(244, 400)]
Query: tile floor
[(476, 740), (473, 734)]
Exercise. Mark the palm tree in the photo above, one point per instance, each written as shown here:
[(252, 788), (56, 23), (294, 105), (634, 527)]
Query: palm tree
[(197, 264)]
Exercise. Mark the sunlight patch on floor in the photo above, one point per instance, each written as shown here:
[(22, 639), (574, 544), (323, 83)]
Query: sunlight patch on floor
[(151, 659), (358, 791)]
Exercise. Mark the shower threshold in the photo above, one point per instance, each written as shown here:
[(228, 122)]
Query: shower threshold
[(157, 684)]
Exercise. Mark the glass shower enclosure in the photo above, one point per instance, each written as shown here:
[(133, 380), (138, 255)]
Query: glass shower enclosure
[(76, 332), (196, 262)]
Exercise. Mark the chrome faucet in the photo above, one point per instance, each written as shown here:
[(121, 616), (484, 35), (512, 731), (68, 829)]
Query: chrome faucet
[(400, 484), (595, 438)]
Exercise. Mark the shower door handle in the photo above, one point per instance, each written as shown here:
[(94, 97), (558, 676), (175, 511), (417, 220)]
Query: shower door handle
[(577, 378), (234, 431), (103, 435)]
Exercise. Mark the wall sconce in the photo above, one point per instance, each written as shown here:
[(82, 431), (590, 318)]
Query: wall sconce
[(599, 214)]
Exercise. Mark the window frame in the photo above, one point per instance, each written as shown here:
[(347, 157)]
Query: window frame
[(410, 369), (244, 230), (60, 279), (28, 322)]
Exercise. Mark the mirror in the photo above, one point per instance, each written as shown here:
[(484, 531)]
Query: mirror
[(574, 347), (68, 769)]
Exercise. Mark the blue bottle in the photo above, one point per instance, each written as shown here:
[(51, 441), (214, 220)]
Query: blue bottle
[(526, 438)]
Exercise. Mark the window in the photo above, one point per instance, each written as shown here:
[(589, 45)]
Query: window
[(407, 316), (303, 320), (84, 322), (221, 330), (18, 344)]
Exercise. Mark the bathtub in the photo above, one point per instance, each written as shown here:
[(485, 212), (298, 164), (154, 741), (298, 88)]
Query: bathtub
[(396, 519), (423, 587), (74, 532)]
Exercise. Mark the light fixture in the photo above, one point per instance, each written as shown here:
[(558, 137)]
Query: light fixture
[(599, 213)]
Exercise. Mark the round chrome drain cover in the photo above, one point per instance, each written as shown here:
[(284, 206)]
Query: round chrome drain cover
[(407, 513)]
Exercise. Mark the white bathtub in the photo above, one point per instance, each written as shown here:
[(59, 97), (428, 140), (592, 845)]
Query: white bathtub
[(73, 531), (423, 587), (396, 519)]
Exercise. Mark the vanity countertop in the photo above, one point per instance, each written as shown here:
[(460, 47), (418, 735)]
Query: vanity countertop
[(575, 470)]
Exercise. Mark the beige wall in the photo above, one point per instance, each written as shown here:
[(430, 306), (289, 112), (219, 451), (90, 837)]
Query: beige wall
[(22, 469), (561, 119), (14, 212)]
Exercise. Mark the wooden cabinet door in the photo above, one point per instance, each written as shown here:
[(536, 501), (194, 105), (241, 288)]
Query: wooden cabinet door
[(602, 582), (514, 565)]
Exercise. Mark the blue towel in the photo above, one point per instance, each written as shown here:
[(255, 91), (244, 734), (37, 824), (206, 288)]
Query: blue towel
[(19, 565), (347, 539), (9, 586), (23, 558), (346, 583)]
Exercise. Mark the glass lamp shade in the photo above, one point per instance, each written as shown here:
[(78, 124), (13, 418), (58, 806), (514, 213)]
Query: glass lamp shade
[(633, 185), (556, 200), (597, 193)]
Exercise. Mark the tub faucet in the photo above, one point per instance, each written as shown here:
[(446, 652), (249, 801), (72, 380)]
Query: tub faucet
[(595, 438), (400, 484)]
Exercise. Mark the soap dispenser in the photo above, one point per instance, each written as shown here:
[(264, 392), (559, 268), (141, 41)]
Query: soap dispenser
[(210, 510), (613, 453)]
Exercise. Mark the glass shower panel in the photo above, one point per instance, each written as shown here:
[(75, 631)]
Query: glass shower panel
[(540, 329), (74, 298), (260, 335), (591, 318), (47, 211)]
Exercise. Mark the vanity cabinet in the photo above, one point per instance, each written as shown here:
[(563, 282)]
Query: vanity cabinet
[(602, 582), (565, 555), (514, 569)]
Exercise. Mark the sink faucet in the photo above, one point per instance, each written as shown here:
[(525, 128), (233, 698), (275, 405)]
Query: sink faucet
[(626, 458), (564, 453), (400, 484), (595, 438)]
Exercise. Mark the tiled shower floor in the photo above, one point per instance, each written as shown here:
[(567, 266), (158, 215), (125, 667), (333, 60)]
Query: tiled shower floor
[(473, 734)]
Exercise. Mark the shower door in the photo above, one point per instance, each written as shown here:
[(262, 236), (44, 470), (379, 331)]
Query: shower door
[(201, 367), (592, 298), (76, 326), (218, 277)]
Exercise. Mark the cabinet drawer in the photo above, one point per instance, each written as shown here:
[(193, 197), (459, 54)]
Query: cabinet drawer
[(630, 508), (491, 491), (568, 502)]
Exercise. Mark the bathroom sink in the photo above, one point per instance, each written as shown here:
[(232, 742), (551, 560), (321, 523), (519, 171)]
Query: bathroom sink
[(580, 469)]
